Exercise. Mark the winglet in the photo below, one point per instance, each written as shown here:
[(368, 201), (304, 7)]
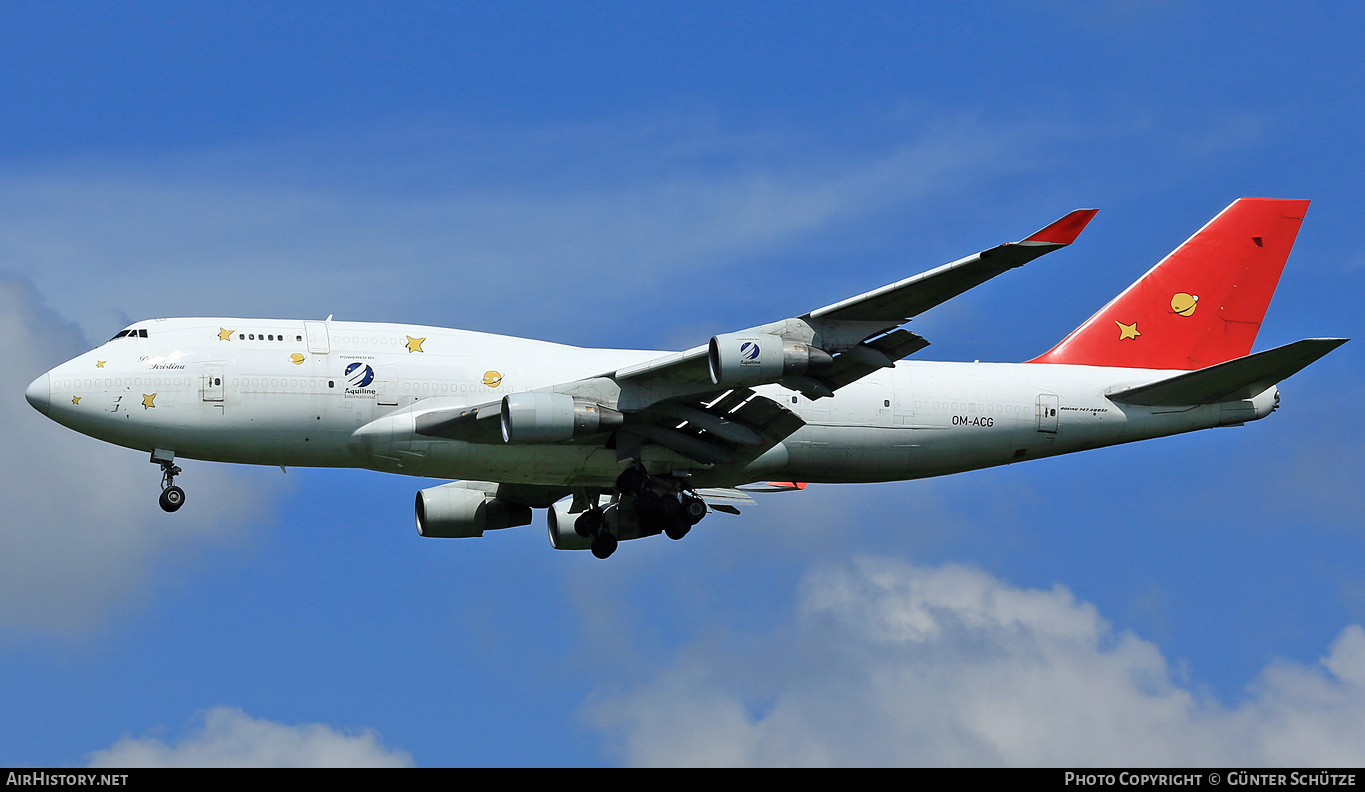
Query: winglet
[(1065, 231)]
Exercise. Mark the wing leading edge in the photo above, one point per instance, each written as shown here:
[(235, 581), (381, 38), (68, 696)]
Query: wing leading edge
[(852, 336), (699, 403), (894, 304)]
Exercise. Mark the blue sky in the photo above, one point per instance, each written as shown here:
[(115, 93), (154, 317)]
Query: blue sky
[(646, 176)]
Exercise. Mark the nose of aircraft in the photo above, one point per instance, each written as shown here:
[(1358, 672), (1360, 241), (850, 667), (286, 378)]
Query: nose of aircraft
[(39, 393)]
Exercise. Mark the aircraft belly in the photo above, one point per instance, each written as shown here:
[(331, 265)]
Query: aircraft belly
[(952, 417), (565, 465), (827, 453)]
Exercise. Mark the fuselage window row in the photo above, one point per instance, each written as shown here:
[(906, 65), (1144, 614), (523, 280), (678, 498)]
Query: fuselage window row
[(265, 337)]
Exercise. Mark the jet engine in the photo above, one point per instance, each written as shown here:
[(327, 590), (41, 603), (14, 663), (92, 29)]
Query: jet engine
[(758, 358), (455, 511), (563, 536), (539, 417)]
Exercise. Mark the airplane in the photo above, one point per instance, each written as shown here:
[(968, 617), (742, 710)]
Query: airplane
[(625, 444)]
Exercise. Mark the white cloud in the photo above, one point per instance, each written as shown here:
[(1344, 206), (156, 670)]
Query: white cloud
[(897, 665), (81, 530), (228, 737)]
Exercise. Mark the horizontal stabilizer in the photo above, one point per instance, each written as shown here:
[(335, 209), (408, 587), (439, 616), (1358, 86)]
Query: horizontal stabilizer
[(1242, 378)]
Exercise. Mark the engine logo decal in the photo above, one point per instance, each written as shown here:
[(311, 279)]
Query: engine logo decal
[(358, 375), (748, 352)]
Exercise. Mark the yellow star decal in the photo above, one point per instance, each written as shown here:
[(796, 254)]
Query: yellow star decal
[(224, 334), (75, 400), (415, 344), (1127, 330), (147, 400), (99, 364)]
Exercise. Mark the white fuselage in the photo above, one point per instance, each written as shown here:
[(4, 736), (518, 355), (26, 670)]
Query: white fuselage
[(278, 392)]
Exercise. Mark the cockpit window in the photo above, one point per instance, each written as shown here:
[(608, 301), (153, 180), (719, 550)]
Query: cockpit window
[(130, 334)]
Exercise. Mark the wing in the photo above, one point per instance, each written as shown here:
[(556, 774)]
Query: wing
[(700, 403), (851, 338)]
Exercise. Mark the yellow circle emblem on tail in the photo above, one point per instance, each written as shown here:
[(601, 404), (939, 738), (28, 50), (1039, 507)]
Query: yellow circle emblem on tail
[(1184, 304)]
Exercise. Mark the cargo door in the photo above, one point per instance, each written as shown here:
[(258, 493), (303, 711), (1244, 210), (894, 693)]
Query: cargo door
[(386, 386), (1048, 404), (211, 377)]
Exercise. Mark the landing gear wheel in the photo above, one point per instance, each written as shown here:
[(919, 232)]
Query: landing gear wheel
[(668, 505), (647, 500), (678, 528), (172, 498), (589, 523), (693, 509), (604, 545)]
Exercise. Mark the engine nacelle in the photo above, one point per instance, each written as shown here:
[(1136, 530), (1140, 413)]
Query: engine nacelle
[(539, 417), (562, 533), (455, 511), (758, 358)]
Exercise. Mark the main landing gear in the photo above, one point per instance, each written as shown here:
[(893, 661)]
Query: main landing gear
[(603, 545), (593, 523), (172, 497), (645, 505)]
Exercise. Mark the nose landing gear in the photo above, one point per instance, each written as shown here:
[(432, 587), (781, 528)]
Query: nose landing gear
[(172, 497)]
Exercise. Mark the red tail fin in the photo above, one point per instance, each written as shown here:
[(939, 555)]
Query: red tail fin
[(1202, 304)]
